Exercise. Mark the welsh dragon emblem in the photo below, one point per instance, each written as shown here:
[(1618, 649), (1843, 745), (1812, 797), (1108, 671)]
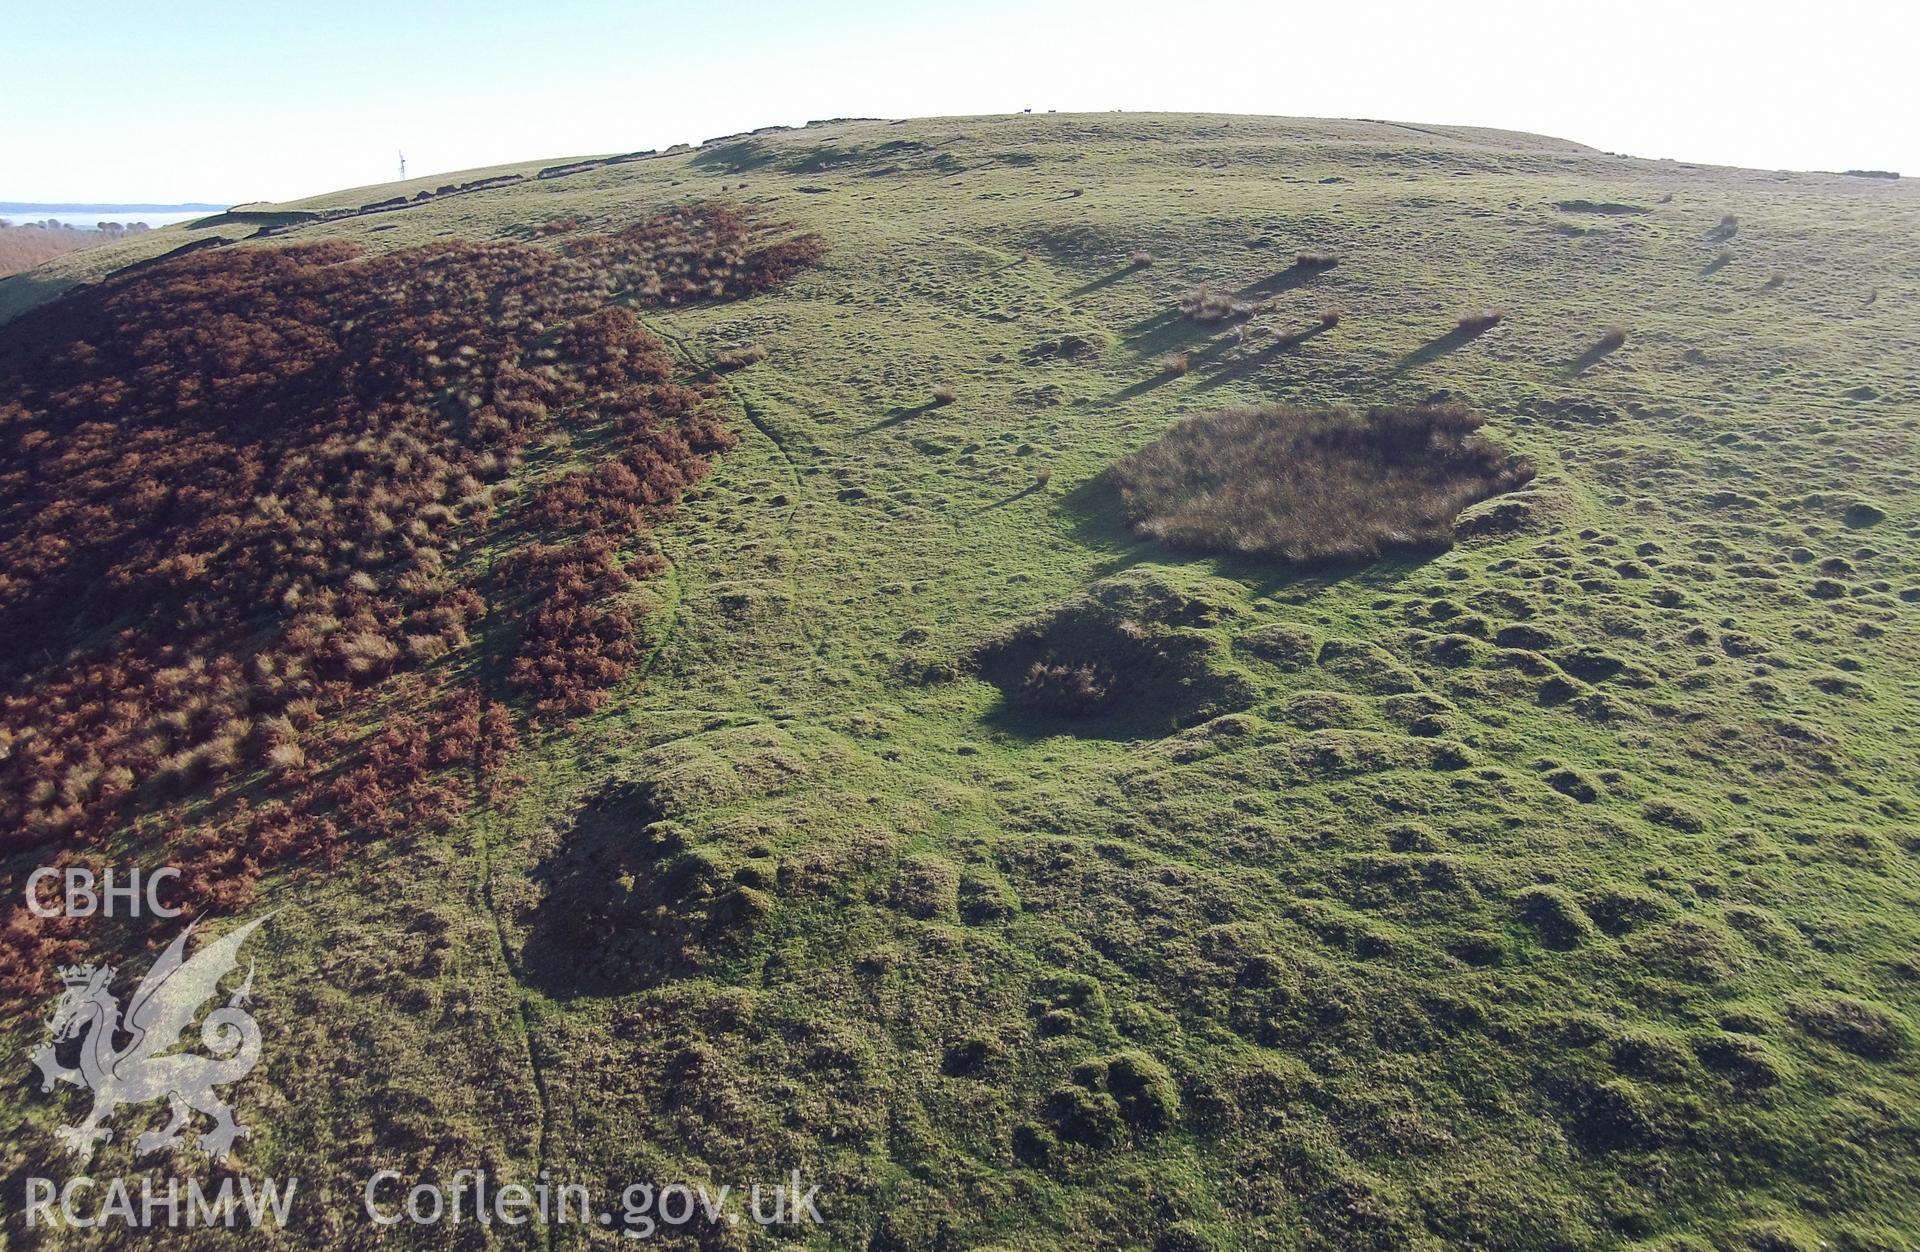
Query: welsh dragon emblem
[(162, 1007)]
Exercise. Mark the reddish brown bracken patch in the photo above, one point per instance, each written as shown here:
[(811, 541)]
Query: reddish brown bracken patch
[(295, 542)]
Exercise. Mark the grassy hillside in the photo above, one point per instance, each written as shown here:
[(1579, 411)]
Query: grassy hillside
[(1557, 889)]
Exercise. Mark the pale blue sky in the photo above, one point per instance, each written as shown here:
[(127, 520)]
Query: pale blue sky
[(224, 101)]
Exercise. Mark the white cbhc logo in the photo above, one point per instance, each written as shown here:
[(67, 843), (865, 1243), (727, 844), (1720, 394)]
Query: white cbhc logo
[(85, 895)]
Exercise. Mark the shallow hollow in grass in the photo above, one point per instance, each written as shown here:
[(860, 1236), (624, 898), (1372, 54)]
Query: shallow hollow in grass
[(1315, 486), (1136, 653)]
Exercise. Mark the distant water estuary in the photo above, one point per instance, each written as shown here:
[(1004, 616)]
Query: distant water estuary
[(89, 216)]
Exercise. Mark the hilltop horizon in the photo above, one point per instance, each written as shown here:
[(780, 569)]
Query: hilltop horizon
[(429, 179), (1784, 93)]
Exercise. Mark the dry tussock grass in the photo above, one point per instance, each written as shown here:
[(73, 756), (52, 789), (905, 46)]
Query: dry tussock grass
[(1315, 486)]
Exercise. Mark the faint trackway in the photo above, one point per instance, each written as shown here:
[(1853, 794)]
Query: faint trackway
[(757, 420), (511, 969), (486, 818), (489, 840), (753, 414), (793, 471)]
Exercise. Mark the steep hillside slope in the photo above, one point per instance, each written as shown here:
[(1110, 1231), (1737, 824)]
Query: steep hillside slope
[(1019, 879)]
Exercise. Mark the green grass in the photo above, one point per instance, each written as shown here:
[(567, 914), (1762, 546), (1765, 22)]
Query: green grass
[(1557, 891)]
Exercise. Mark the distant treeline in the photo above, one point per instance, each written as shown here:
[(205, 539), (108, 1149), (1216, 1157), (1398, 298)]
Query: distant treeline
[(106, 228), (23, 247)]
